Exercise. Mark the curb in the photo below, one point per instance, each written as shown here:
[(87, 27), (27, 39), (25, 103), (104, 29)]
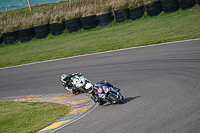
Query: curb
[(79, 105)]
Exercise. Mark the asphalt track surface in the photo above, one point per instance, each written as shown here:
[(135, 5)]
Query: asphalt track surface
[(160, 83)]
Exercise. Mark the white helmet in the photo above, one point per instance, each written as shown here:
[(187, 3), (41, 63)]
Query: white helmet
[(89, 87)]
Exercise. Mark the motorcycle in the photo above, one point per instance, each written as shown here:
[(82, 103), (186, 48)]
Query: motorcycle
[(100, 91), (80, 83), (106, 92)]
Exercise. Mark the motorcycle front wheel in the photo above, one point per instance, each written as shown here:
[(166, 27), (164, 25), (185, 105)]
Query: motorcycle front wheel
[(95, 98)]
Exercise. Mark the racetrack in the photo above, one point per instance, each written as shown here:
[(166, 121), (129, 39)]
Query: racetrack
[(161, 86)]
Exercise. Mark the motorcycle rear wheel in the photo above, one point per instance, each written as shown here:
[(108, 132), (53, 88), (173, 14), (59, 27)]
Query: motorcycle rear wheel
[(116, 99)]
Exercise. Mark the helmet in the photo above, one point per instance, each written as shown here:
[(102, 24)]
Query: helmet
[(89, 87), (63, 76)]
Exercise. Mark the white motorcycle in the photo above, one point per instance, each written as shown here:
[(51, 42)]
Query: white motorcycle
[(80, 83)]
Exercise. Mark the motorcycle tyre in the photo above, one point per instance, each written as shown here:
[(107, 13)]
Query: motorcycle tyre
[(113, 98), (94, 97)]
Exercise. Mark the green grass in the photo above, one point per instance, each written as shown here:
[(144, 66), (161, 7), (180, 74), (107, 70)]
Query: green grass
[(28, 117), (176, 26), (22, 18)]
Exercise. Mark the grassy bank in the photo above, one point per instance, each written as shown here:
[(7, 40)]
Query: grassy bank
[(179, 25), (25, 117), (57, 12)]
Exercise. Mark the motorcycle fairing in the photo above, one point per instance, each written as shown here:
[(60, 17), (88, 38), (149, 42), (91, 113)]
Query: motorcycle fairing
[(106, 89), (78, 81)]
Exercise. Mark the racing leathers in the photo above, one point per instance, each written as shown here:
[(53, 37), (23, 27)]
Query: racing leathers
[(103, 84), (66, 82)]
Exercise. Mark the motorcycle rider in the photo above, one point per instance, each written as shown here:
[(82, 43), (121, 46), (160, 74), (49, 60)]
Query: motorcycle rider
[(66, 82), (98, 85)]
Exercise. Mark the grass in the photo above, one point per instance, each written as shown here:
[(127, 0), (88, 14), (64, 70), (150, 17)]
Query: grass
[(28, 117), (50, 13), (176, 26), (18, 19)]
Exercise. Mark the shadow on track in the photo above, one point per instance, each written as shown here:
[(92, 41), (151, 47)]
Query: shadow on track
[(128, 99)]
